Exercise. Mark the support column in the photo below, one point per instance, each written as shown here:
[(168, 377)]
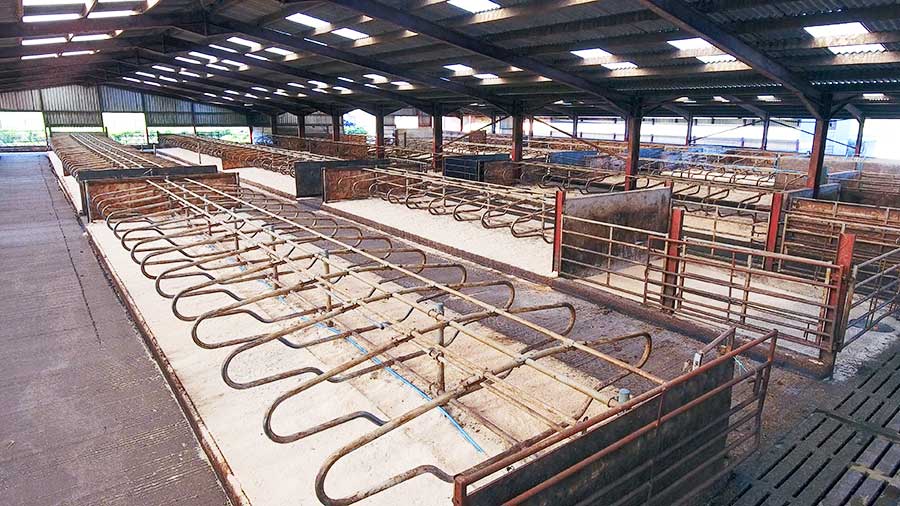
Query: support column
[(530, 127), (765, 136), (689, 136), (560, 204), (773, 227), (518, 127), (301, 124), (857, 150), (437, 137), (493, 123), (575, 126), (379, 133), (834, 325), (337, 123), (815, 176), (273, 119), (633, 138), (671, 274)]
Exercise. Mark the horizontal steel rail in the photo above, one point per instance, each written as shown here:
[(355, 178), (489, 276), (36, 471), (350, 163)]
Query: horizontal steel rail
[(714, 283), (525, 212), (307, 282), (88, 151), (243, 155)]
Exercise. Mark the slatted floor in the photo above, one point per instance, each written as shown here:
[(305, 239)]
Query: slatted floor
[(848, 455)]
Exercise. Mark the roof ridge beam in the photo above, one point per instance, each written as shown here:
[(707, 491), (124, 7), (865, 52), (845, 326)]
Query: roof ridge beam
[(433, 30)]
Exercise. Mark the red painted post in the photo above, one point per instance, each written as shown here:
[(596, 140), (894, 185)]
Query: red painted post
[(670, 274), (834, 325), (558, 230), (774, 227)]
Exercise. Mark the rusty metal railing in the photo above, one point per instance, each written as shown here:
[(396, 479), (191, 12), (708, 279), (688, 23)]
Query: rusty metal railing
[(711, 282), (640, 465), (525, 212), (304, 281), (235, 154), (875, 293)]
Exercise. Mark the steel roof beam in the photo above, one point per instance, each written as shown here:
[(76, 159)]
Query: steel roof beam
[(369, 62), (403, 19), (301, 73), (686, 17)]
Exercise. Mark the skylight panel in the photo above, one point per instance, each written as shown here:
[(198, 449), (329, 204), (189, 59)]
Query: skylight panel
[(296, 85), (188, 60), (259, 88), (39, 56), (165, 78), (875, 96), (43, 18), (111, 14), (595, 52), (145, 74), (318, 84), (486, 76), (203, 55), (349, 33), (344, 91), (47, 40), (279, 51), (719, 58), (256, 57), (92, 37), (186, 73), (232, 92), (254, 46), (836, 30), (376, 78), (213, 95), (694, 43), (767, 98), (77, 53), (309, 21), (475, 6), (131, 79), (234, 63), (315, 42), (620, 65), (30, 3), (721, 99), (857, 48), (251, 95), (459, 68), (223, 48), (217, 67), (346, 79), (164, 68), (402, 84), (685, 100)]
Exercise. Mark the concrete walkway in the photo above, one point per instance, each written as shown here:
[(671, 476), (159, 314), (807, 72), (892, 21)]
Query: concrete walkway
[(85, 414)]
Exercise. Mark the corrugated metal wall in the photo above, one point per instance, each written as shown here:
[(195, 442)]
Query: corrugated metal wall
[(214, 115), (119, 100), (26, 100), (287, 120), (82, 106)]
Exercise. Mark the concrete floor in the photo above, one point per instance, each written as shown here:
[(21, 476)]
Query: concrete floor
[(87, 417)]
